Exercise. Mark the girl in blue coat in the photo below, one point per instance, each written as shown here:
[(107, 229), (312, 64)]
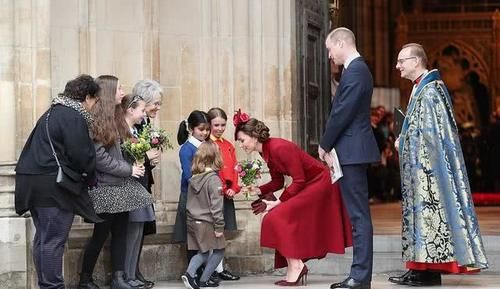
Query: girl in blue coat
[(192, 132)]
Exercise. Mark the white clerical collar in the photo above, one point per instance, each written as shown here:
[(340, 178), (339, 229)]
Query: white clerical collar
[(194, 141), (350, 58)]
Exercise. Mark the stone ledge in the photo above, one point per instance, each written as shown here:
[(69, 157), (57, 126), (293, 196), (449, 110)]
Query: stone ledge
[(80, 234)]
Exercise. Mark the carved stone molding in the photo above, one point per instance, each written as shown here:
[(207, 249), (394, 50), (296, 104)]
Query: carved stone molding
[(475, 35)]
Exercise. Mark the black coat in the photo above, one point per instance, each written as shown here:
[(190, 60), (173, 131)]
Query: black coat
[(37, 168), (147, 180)]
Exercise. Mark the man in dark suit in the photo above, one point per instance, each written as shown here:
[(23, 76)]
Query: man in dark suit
[(348, 130)]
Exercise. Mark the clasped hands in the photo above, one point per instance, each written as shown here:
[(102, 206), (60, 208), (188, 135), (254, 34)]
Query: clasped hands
[(265, 203), (326, 157)]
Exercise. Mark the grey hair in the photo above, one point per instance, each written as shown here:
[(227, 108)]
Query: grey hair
[(342, 33), (148, 89), (418, 51)]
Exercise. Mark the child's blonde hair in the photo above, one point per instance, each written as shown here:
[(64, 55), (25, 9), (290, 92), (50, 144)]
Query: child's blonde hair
[(207, 156)]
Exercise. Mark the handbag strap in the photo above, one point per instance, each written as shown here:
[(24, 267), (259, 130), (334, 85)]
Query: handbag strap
[(48, 135)]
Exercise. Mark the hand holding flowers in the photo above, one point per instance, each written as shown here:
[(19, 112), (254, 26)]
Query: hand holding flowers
[(249, 171), (156, 137), (136, 148)]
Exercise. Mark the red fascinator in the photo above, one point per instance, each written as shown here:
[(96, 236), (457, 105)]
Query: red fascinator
[(240, 117)]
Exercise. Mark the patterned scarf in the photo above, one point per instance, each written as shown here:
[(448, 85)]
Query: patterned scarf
[(74, 104)]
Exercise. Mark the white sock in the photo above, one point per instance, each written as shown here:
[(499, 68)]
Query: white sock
[(220, 267)]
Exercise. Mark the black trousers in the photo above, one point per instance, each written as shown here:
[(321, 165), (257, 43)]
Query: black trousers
[(52, 229), (117, 225), (354, 189)]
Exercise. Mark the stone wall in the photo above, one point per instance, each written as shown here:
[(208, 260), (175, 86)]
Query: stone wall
[(231, 54)]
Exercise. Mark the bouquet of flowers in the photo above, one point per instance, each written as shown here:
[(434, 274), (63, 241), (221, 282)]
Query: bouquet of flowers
[(156, 137), (136, 148), (249, 171)]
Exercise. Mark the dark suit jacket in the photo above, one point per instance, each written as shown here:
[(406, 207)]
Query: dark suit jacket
[(348, 129)]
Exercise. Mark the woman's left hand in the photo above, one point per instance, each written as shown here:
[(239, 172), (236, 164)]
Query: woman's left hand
[(271, 204)]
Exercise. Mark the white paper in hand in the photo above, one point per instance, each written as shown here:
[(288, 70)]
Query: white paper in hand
[(335, 169)]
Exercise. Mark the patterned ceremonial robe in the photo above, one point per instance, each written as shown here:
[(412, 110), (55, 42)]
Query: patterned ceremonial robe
[(439, 222)]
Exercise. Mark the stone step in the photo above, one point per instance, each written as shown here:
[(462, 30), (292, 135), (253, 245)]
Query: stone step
[(387, 257)]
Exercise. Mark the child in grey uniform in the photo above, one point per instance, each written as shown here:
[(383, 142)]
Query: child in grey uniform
[(205, 218)]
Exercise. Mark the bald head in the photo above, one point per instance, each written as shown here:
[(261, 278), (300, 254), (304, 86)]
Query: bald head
[(342, 34)]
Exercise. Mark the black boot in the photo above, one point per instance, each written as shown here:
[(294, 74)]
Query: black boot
[(87, 282), (119, 282)]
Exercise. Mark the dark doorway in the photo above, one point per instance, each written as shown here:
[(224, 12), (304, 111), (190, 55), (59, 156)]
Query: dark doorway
[(313, 92)]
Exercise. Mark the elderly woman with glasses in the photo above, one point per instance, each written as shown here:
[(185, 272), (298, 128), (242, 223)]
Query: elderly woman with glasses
[(151, 92)]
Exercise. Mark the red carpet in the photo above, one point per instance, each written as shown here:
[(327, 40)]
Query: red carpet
[(486, 199)]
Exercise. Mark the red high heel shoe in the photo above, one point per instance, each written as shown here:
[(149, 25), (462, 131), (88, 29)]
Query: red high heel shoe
[(301, 279)]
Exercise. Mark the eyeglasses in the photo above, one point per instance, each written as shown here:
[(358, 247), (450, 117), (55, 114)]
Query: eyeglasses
[(400, 61), (135, 99)]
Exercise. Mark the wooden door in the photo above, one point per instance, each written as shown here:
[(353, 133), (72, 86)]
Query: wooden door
[(313, 72)]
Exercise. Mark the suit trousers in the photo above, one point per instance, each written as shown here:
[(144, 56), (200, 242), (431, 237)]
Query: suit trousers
[(52, 229), (354, 189)]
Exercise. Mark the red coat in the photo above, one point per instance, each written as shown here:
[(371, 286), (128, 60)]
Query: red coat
[(227, 174), (311, 221)]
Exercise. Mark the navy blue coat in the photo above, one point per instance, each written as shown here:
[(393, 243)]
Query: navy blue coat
[(348, 128)]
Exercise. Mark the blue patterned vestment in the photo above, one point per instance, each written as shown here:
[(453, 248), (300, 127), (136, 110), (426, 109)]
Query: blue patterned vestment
[(439, 222)]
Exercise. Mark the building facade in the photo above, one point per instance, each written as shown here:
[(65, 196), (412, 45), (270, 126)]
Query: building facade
[(230, 54)]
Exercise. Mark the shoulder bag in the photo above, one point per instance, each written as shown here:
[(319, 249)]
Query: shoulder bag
[(67, 179)]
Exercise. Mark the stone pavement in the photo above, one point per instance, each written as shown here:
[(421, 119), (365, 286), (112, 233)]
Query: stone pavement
[(479, 281)]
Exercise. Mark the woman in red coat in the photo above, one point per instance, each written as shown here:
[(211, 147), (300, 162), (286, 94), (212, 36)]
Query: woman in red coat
[(308, 220)]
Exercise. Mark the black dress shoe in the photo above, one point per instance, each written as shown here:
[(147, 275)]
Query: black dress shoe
[(350, 283), (403, 279), (335, 285), (228, 276), (424, 278)]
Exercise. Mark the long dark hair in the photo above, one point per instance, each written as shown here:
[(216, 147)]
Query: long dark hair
[(109, 124), (195, 118)]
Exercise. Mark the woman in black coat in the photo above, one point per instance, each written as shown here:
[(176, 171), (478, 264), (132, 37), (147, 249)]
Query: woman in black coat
[(151, 92), (51, 206)]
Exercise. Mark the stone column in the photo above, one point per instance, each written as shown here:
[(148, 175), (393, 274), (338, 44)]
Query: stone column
[(25, 84), (382, 67), (13, 238)]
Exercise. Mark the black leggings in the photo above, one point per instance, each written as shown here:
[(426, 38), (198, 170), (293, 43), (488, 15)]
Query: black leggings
[(117, 225)]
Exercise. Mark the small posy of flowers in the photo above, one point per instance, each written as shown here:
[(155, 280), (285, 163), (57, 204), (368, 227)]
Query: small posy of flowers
[(136, 147), (156, 137), (249, 171)]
